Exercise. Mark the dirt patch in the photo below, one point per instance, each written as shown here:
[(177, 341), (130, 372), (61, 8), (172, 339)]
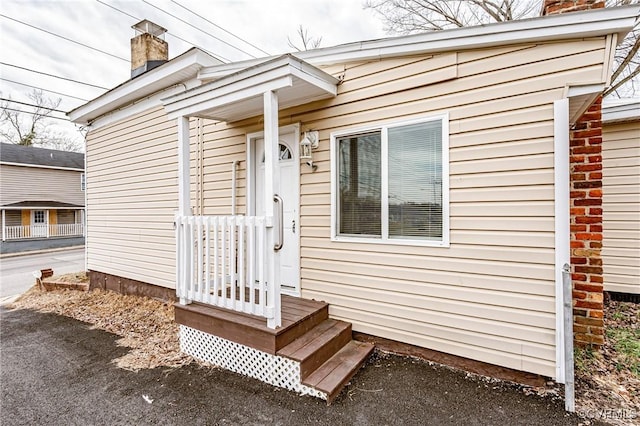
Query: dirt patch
[(146, 326), (608, 381)]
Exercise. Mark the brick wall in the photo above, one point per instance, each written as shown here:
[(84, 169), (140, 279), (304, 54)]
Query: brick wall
[(586, 226)]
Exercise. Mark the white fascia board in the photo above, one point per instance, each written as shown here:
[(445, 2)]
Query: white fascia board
[(42, 208), (625, 111), (38, 166), (229, 98), (166, 75), (591, 23)]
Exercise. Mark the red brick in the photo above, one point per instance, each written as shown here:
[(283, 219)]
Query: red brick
[(577, 159), (596, 244), (589, 321), (595, 261), (586, 149), (579, 295), (595, 228), (595, 211), (578, 277), (598, 331), (595, 175), (579, 312), (578, 228), (588, 219), (578, 260), (578, 211), (588, 269), (587, 133), (589, 236), (596, 193), (596, 314), (587, 167), (587, 184), (579, 328), (588, 287), (596, 279), (595, 158), (577, 194), (576, 244), (588, 202), (595, 141)]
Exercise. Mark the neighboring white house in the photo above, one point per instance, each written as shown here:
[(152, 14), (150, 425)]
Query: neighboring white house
[(41, 196), (417, 184)]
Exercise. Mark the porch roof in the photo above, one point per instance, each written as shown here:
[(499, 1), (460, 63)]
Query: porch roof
[(239, 95), (41, 205)]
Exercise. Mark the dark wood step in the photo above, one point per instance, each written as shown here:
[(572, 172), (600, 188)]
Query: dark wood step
[(334, 374), (318, 345), (298, 317)]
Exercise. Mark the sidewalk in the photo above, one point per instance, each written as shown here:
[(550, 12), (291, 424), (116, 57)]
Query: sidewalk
[(55, 370)]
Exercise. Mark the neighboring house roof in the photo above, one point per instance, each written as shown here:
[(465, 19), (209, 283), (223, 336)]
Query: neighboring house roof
[(621, 110), (42, 204), (44, 157), (197, 64)]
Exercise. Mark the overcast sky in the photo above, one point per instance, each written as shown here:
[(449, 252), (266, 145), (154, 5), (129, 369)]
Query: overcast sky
[(263, 23)]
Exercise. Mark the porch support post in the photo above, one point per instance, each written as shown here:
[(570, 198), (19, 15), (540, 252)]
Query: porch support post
[(46, 220), (183, 252), (4, 224), (272, 186)]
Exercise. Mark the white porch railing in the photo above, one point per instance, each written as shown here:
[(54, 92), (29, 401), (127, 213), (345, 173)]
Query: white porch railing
[(43, 231), (222, 262)]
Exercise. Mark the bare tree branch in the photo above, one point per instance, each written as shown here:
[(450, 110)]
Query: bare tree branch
[(307, 41)]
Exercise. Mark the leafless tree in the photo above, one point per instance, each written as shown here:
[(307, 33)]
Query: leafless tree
[(33, 127), (414, 16), (307, 41)]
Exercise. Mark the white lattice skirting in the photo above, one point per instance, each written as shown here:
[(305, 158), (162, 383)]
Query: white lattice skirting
[(272, 369)]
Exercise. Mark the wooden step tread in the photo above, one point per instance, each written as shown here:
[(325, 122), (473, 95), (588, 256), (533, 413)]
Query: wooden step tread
[(334, 374), (307, 344)]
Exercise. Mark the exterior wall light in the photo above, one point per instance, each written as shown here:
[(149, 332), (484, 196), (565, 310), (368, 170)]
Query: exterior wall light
[(308, 143)]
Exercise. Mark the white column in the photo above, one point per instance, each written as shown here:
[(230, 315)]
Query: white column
[(46, 221), (4, 224), (183, 271), (271, 187)]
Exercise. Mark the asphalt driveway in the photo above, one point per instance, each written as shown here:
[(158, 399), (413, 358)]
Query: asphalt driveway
[(55, 370)]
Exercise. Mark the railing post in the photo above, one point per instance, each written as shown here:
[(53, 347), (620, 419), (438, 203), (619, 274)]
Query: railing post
[(4, 224)]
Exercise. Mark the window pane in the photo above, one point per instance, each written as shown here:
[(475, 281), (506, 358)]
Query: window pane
[(415, 181), (360, 184)]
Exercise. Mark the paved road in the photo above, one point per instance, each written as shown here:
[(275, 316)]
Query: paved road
[(58, 371), (16, 272)]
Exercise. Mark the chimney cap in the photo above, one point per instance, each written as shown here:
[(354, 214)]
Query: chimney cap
[(146, 26)]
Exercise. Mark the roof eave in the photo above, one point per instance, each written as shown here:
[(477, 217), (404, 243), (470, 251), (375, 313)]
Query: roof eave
[(169, 74)]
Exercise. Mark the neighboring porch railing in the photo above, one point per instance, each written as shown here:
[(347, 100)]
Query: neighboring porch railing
[(222, 262), (43, 231)]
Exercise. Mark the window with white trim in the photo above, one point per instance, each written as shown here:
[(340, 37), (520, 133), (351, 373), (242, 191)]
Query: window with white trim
[(391, 183), (83, 182)]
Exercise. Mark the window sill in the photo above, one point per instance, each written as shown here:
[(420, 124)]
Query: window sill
[(390, 242)]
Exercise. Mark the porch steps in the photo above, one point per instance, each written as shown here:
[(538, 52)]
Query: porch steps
[(334, 374), (323, 347)]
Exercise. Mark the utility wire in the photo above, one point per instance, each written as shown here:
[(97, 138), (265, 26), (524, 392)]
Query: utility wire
[(219, 27), (41, 88), (168, 32), (35, 113), (54, 76), (32, 105), (199, 29), (64, 38)]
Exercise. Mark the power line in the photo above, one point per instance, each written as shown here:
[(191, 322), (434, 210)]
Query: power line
[(168, 32), (219, 27), (32, 105), (41, 88), (199, 29), (65, 38), (54, 76), (35, 113)]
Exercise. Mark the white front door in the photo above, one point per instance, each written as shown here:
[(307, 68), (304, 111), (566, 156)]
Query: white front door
[(39, 223), (290, 194)]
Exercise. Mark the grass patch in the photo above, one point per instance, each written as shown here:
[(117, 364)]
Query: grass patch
[(583, 358), (626, 342)]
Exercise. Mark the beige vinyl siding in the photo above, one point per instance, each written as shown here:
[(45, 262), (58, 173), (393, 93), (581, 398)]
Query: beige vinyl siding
[(132, 197), (21, 183), (490, 295), (621, 207)]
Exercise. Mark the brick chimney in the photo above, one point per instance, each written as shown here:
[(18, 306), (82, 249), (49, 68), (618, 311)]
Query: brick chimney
[(585, 182), (148, 48), (553, 7)]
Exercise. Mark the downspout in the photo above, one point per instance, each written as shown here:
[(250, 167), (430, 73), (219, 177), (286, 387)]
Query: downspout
[(563, 293)]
